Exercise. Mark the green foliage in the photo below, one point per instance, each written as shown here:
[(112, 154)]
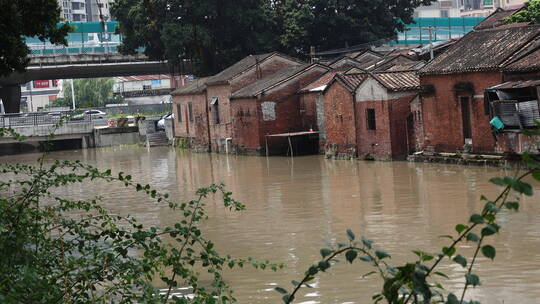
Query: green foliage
[(56, 249), (89, 93), (416, 282), (531, 13), (19, 18), (214, 34)]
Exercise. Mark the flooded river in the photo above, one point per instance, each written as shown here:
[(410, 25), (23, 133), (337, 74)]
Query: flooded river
[(294, 205)]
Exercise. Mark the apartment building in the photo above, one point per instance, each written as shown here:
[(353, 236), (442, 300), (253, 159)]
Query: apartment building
[(85, 10)]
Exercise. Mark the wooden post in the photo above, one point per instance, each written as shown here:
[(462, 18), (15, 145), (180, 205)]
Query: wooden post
[(266, 139), (290, 146)]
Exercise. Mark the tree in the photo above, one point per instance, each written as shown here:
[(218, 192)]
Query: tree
[(27, 18), (89, 93), (531, 13), (215, 33), (212, 33), (56, 249)]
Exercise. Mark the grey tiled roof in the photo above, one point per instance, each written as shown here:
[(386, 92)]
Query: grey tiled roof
[(485, 50)]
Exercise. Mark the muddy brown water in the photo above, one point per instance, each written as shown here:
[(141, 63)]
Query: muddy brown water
[(295, 205)]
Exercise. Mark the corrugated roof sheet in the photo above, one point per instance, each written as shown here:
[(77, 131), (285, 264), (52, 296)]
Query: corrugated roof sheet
[(257, 87), (196, 87), (517, 84), (143, 77), (398, 81), (322, 81), (495, 19), (482, 50)]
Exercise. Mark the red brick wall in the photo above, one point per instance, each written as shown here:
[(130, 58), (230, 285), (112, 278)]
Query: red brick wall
[(197, 129), (399, 111), (339, 120), (441, 112), (245, 124), (376, 143), (308, 110)]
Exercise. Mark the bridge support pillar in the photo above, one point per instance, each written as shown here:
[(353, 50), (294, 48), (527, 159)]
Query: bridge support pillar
[(11, 98)]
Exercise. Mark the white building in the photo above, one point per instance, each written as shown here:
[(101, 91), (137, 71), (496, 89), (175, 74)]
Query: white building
[(146, 89), (38, 94), (439, 9), (85, 10)]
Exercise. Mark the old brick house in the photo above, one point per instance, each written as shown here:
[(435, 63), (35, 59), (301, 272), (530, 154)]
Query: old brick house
[(271, 105), (454, 112), (206, 102), (368, 114)]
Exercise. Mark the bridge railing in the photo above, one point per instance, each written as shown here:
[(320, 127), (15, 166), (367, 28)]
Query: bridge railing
[(42, 118)]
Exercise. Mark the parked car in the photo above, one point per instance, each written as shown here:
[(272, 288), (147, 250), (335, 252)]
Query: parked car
[(161, 123), (93, 114)]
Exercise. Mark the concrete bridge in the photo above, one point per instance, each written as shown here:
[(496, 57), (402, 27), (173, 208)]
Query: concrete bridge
[(92, 51)]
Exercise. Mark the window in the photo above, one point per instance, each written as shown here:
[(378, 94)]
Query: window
[(190, 111), (214, 103), (444, 13), (179, 112), (370, 119)]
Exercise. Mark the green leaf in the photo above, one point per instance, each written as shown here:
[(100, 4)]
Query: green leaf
[(323, 265), (367, 243), (488, 251), (490, 229), (449, 251), (522, 187), (295, 283), (446, 236), (441, 274), (472, 237), (452, 299), (326, 252), (381, 254), (350, 255), (287, 299), (500, 181), (281, 290), (460, 228), (472, 279), (536, 175), (476, 219), (512, 205), (366, 258), (350, 235), (460, 260)]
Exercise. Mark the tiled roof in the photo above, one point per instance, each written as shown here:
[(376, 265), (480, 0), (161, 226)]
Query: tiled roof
[(354, 80), (482, 50), (196, 87), (322, 81), (243, 65), (238, 68), (527, 63), (495, 19), (398, 81), (257, 87)]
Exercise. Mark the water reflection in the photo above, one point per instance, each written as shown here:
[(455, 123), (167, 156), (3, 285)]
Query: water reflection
[(295, 205)]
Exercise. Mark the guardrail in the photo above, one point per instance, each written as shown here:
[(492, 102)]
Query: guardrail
[(36, 119)]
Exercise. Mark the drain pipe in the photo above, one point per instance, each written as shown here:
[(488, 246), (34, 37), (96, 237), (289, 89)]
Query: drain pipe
[(227, 145)]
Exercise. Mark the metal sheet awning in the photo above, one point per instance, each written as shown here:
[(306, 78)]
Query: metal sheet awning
[(516, 84), (292, 134)]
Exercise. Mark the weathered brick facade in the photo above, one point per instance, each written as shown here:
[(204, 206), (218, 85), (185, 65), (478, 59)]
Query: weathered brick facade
[(272, 107), (211, 124), (340, 121), (443, 114)]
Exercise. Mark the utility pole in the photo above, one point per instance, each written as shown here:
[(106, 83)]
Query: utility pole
[(73, 93), (430, 43)]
